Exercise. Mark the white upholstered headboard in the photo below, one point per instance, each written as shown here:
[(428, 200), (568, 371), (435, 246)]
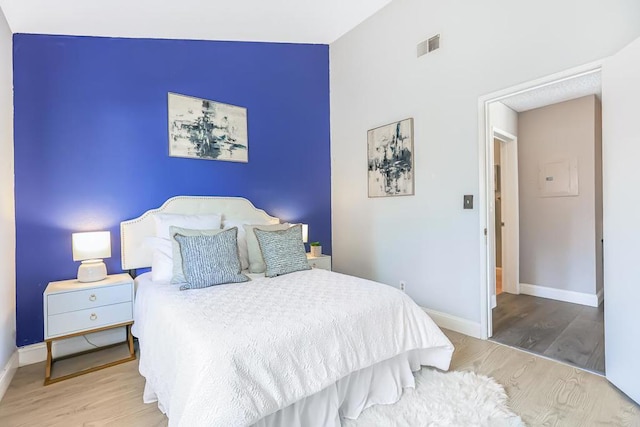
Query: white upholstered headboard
[(137, 254)]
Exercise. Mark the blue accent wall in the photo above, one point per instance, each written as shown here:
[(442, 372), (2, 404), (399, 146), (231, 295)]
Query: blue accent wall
[(91, 143)]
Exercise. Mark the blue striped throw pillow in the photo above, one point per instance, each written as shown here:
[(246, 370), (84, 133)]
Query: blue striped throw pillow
[(283, 251), (210, 260)]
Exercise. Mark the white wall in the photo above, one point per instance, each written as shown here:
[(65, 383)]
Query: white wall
[(7, 210), (503, 118), (558, 234), (428, 239)]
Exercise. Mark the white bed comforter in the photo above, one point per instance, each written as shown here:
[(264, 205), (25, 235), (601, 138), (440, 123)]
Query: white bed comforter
[(230, 355)]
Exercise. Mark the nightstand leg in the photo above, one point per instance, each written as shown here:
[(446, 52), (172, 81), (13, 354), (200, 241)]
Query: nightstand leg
[(132, 351), (47, 371)]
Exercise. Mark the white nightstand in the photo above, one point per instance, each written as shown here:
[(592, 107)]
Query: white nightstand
[(73, 308), (322, 261)]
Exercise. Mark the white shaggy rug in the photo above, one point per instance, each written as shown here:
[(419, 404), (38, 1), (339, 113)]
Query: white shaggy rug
[(444, 399)]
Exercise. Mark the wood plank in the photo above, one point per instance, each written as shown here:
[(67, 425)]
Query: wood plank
[(579, 343), (512, 308), (543, 392), (536, 324), (107, 397)]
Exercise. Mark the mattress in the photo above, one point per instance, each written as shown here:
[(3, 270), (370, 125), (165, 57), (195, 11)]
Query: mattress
[(311, 345)]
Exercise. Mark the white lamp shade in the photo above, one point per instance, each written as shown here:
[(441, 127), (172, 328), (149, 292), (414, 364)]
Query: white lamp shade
[(91, 245), (305, 233)]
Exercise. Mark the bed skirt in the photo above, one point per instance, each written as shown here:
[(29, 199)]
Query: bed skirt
[(381, 383)]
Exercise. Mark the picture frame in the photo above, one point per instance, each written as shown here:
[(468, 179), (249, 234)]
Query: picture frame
[(205, 129), (390, 160)]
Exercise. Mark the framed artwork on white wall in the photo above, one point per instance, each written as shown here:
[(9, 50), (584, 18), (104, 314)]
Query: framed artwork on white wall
[(390, 159)]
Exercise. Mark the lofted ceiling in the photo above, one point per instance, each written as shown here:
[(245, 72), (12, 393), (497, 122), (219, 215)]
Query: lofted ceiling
[(295, 21)]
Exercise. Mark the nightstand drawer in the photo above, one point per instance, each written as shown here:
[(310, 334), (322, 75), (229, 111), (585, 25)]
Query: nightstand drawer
[(76, 321), (88, 298), (322, 262)]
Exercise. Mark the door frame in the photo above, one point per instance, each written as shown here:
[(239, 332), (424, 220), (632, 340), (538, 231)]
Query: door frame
[(510, 210), (486, 195), (510, 235)]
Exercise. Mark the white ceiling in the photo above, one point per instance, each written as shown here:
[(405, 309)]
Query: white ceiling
[(296, 21), (565, 90)]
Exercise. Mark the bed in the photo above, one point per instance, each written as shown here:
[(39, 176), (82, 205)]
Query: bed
[(302, 349)]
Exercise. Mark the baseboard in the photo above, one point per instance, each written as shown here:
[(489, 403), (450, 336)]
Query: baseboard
[(600, 295), (36, 353), (591, 300), (494, 301), (454, 323), (7, 373), (30, 354)]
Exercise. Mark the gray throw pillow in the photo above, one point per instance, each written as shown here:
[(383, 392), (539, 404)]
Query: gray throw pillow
[(210, 260), (256, 262), (283, 251), (178, 274)]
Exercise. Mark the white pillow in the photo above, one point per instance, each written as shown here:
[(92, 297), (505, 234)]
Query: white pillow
[(162, 260), (194, 222), (256, 262), (243, 251)]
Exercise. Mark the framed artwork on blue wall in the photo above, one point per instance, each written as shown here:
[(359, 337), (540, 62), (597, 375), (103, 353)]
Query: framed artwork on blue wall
[(390, 159), (205, 129)]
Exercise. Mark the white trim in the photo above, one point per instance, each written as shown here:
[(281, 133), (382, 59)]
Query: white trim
[(7, 373), (510, 213), (454, 323), (502, 135), (494, 301), (483, 208), (560, 294), (600, 296), (34, 353), (579, 71)]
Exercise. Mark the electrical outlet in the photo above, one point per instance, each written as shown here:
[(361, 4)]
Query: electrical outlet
[(403, 285)]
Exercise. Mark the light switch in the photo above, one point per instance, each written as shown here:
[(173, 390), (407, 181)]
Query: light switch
[(468, 201)]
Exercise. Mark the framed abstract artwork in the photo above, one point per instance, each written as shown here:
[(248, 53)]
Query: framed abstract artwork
[(390, 159), (205, 129)]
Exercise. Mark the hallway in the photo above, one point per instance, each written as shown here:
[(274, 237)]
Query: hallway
[(570, 333)]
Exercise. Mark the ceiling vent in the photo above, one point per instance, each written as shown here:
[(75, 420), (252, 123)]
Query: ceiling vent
[(429, 45)]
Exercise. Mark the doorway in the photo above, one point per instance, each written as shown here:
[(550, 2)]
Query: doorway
[(505, 201), (539, 314), (497, 151)]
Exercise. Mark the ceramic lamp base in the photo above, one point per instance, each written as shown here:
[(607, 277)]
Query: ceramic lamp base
[(316, 251), (92, 270)]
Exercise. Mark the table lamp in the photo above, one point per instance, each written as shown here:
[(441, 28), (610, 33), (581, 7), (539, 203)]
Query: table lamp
[(91, 248)]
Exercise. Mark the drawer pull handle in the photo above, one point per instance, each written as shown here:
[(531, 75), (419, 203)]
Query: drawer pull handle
[(93, 316), (92, 297), (314, 265)]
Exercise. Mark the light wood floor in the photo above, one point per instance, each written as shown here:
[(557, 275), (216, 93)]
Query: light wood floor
[(571, 333), (543, 392)]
